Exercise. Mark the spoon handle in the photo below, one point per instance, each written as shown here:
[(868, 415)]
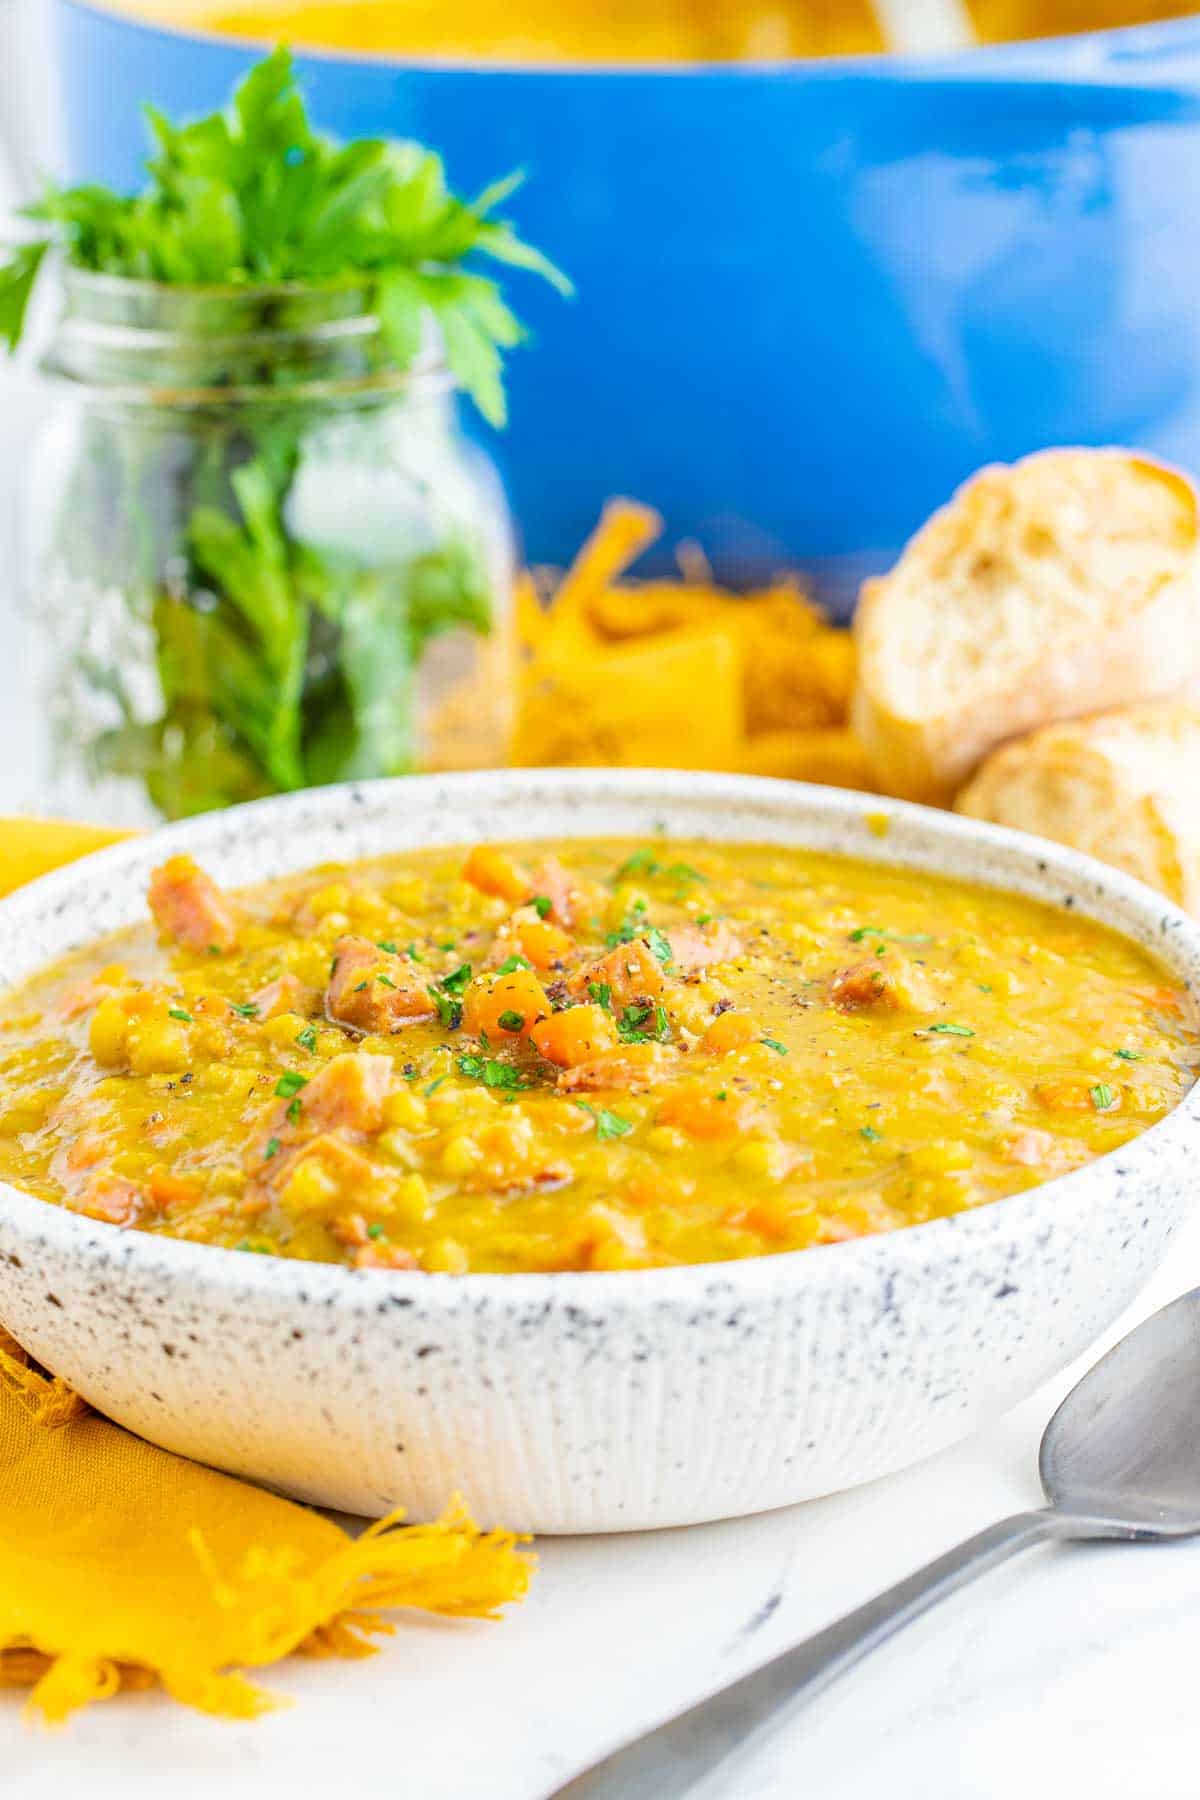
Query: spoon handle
[(696, 1752)]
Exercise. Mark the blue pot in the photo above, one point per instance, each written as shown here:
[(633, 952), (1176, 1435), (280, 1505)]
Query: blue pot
[(812, 298)]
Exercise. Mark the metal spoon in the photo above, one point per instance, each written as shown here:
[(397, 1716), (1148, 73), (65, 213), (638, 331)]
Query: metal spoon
[(1119, 1459)]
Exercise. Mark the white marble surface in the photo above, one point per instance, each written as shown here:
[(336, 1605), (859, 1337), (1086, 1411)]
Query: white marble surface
[(1069, 1673)]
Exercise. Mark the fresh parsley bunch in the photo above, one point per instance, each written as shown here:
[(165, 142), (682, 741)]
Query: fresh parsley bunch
[(254, 195)]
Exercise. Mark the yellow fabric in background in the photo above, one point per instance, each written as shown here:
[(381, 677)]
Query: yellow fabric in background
[(123, 1566)]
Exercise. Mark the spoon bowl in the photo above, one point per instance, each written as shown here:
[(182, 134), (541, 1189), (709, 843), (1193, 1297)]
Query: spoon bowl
[(1123, 1448)]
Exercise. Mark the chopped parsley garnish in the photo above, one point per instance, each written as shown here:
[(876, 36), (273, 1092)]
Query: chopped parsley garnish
[(705, 918), (775, 1045), (511, 964), (601, 993), (1128, 1055), (255, 1249), (434, 1085), (722, 1094), (631, 1021), (214, 949), (449, 1011), (492, 1073), (511, 1021), (361, 988), (642, 862), (177, 1012), (375, 1231), (645, 862), (307, 1039), (386, 944), (272, 1149), (456, 981), (542, 905), (289, 1083), (949, 1030), (294, 1110), (414, 955), (1102, 1097), (662, 1024), (869, 1132), (386, 981), (608, 1124), (659, 945), (624, 934), (247, 1011)]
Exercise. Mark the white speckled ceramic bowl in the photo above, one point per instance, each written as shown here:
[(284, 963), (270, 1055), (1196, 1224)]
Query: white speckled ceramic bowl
[(594, 1402)]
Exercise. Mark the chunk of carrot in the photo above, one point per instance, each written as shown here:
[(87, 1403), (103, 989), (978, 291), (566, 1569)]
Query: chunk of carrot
[(493, 872), (576, 1035), (544, 944), (730, 1031), (488, 1004), (708, 1113)]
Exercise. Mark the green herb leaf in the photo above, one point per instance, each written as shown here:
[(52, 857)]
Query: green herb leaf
[(511, 1021), (1128, 1055), (456, 981), (18, 272), (952, 1030), (307, 1039), (491, 1072), (386, 944), (1102, 1097), (177, 1012), (375, 1231), (247, 1010), (272, 1149), (869, 1132), (659, 945), (542, 905), (601, 993), (512, 963), (294, 1109), (290, 1082), (434, 1085), (608, 1124), (449, 1011), (774, 1044)]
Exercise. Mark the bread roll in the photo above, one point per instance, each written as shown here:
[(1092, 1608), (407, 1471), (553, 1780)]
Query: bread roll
[(1055, 587)]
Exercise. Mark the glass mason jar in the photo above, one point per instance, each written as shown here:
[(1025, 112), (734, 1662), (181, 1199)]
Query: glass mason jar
[(261, 558)]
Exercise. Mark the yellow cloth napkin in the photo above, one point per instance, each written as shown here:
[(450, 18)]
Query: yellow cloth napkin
[(122, 1565)]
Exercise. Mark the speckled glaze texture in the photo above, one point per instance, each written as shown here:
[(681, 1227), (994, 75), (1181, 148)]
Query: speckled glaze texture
[(595, 1402)]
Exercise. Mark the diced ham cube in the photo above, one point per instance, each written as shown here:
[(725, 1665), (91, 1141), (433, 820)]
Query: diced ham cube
[(286, 994), (348, 1094), (187, 905), (701, 946), (630, 972), (632, 1067), (372, 990), (885, 985)]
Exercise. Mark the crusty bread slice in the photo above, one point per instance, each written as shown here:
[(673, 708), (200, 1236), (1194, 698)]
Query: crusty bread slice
[(1061, 585), (1124, 786)]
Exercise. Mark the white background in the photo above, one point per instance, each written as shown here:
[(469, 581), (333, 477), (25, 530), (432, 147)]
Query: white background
[(1070, 1673)]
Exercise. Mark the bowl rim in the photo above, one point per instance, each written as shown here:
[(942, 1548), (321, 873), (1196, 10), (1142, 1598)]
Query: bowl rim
[(206, 1267), (1020, 58)]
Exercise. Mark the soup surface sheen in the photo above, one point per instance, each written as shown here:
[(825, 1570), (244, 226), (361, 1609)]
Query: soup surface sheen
[(593, 1055)]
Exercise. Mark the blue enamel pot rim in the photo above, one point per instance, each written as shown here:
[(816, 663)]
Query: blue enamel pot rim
[(1081, 54)]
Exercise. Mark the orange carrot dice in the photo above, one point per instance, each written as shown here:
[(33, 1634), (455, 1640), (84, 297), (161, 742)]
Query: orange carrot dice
[(708, 1113), (544, 944), (495, 1007), (576, 1035), (492, 872), (730, 1031)]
